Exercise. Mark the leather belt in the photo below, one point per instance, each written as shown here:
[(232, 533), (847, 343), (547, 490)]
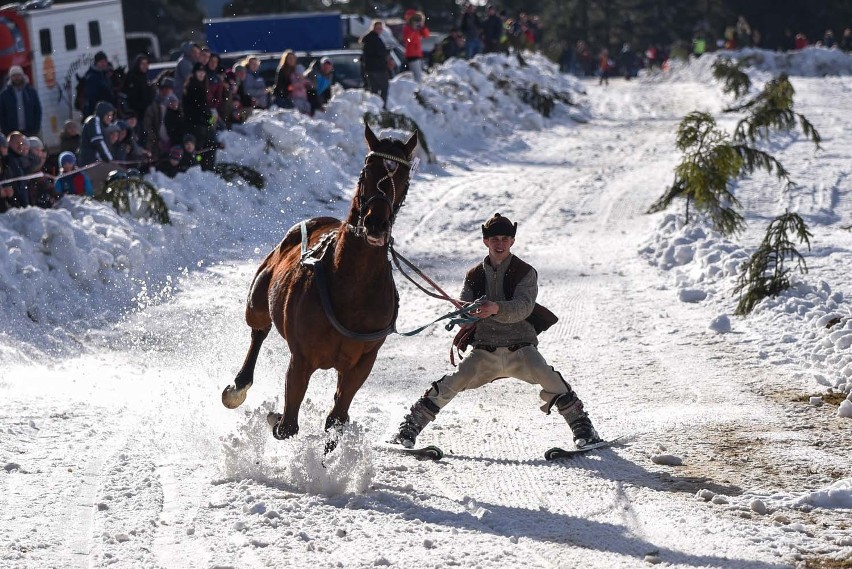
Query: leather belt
[(512, 348)]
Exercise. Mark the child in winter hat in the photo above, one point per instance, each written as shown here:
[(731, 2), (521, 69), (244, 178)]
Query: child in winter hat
[(71, 180)]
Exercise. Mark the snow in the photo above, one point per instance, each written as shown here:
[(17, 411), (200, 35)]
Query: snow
[(118, 335)]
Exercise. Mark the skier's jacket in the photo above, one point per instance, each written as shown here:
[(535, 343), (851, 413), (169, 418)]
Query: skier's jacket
[(518, 322)]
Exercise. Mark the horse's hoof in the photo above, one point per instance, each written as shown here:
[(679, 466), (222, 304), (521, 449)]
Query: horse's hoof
[(232, 397), (281, 430)]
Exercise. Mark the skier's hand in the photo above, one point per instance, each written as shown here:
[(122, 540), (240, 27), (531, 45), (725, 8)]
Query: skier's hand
[(486, 309)]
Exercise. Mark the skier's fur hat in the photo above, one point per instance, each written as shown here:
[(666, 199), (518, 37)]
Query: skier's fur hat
[(499, 225)]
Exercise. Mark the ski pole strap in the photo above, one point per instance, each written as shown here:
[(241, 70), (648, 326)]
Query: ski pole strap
[(458, 317)]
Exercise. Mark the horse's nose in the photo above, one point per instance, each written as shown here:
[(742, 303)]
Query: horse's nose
[(376, 224)]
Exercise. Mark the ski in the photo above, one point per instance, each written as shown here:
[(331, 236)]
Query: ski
[(430, 452), (556, 452)]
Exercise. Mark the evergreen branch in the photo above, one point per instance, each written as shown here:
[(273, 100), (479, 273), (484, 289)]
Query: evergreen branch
[(229, 171), (754, 159), (765, 273), (677, 189), (735, 81), (809, 130), (772, 109), (126, 194)]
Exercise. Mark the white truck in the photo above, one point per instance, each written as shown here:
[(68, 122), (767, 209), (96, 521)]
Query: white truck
[(55, 44)]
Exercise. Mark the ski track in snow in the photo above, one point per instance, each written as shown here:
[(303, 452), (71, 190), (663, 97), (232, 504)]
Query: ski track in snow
[(169, 478)]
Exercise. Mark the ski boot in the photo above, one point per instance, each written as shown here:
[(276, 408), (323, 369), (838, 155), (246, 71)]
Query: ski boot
[(421, 414), (570, 407)]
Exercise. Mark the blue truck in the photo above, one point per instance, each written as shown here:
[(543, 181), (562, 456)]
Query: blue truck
[(310, 31)]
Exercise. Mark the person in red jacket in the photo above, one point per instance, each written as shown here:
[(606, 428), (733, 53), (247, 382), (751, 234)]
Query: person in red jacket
[(413, 33)]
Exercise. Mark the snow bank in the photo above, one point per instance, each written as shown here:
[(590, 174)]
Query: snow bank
[(807, 321), (761, 64)]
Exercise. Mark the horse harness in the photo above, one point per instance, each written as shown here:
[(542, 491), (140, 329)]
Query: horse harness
[(315, 258)]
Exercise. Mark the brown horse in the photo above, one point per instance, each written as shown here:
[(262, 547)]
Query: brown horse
[(329, 290)]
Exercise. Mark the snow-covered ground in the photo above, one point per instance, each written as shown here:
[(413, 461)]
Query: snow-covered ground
[(118, 335)]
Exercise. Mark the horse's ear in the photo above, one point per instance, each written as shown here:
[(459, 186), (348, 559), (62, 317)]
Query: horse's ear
[(372, 141), (411, 143)]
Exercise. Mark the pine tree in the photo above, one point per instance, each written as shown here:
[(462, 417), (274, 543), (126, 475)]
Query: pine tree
[(132, 194), (772, 109), (711, 162), (765, 274)]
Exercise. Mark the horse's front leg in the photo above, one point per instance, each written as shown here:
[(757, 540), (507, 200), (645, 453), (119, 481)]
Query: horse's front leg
[(234, 395), (298, 375), (348, 383)]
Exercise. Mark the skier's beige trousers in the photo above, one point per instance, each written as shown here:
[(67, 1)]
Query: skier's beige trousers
[(482, 366)]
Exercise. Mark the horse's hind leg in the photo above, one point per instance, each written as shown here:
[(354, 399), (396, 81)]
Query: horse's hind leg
[(257, 316)]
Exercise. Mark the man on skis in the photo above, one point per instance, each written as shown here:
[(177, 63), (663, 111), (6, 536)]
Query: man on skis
[(504, 340)]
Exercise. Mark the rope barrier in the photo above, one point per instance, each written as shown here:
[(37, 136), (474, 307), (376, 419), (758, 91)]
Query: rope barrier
[(38, 175)]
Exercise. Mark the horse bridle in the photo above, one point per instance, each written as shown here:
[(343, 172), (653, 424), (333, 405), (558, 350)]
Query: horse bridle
[(390, 162)]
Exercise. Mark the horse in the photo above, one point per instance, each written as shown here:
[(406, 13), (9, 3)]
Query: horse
[(328, 289)]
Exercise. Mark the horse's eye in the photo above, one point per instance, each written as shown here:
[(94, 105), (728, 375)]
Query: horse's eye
[(391, 165)]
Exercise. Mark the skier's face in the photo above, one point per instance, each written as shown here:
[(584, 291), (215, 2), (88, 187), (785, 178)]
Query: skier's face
[(499, 247)]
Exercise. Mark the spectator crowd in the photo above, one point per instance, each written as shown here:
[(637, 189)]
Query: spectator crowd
[(171, 123)]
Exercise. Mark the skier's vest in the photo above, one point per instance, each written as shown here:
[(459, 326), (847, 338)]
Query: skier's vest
[(541, 318)]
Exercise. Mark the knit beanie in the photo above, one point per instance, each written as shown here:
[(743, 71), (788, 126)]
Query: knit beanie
[(499, 225), (67, 157)]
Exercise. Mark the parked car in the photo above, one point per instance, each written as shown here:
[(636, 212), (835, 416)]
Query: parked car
[(347, 65)]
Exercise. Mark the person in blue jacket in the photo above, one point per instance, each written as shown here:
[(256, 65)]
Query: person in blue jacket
[(70, 180), (93, 145), (98, 85)]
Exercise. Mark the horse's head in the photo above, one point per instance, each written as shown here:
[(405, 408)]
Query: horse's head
[(382, 186)]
